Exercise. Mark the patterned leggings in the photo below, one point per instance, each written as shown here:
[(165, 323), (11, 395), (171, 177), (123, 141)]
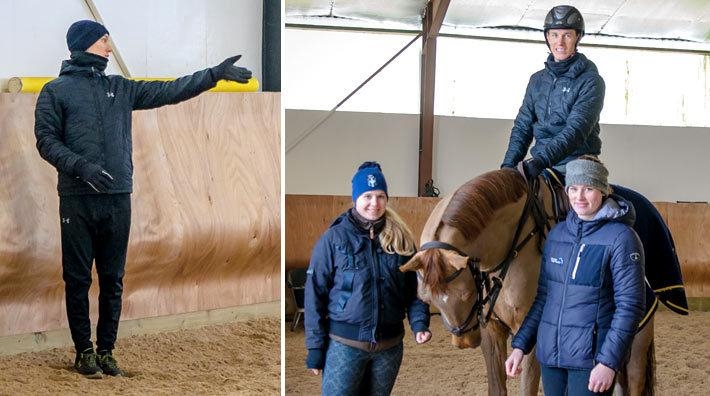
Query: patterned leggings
[(351, 371)]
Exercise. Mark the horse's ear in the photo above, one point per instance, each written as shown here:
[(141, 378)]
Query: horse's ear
[(455, 260), (413, 264)]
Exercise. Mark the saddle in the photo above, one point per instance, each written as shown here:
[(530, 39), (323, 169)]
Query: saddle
[(560, 203), (556, 185)]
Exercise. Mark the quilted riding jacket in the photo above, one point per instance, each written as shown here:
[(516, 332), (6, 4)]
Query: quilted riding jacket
[(590, 297), (561, 111), (85, 114), (354, 289)]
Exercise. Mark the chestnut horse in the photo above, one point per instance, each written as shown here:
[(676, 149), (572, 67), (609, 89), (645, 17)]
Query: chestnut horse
[(479, 266)]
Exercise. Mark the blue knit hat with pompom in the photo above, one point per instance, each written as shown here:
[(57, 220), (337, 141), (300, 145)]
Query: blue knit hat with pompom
[(368, 177)]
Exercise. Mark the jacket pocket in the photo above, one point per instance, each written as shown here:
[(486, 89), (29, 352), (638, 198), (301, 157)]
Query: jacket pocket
[(348, 267), (347, 289)]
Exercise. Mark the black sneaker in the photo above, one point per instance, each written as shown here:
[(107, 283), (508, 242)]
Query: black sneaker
[(108, 364), (85, 363)]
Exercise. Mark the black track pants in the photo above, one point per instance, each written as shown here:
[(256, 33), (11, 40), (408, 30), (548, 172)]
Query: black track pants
[(94, 227)]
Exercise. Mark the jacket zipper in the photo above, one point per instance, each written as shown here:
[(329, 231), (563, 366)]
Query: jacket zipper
[(576, 263), (564, 296), (549, 95), (376, 290)]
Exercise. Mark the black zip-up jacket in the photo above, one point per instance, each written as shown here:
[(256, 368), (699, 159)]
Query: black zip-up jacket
[(561, 111), (86, 115)]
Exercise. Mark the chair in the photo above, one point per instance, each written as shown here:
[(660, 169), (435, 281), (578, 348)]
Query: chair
[(296, 280)]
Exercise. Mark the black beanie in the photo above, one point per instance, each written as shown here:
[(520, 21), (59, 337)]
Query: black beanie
[(83, 34)]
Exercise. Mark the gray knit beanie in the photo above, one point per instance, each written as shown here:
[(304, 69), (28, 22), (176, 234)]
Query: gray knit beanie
[(587, 173)]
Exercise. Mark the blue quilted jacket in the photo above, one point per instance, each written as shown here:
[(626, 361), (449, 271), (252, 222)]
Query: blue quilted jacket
[(354, 289), (561, 111), (85, 114), (590, 295)]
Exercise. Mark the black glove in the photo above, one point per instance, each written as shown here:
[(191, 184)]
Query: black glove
[(532, 168), (95, 176), (315, 359), (227, 71)]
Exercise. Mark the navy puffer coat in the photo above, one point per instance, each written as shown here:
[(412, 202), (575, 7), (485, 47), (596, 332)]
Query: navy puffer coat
[(85, 114), (355, 290), (561, 111), (590, 296)]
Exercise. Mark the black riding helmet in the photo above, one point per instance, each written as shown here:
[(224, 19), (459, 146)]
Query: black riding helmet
[(564, 17)]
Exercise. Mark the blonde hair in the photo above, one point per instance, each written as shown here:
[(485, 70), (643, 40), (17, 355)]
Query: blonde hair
[(396, 237)]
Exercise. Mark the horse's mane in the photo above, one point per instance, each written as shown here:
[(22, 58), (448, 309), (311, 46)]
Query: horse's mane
[(473, 204), (470, 209)]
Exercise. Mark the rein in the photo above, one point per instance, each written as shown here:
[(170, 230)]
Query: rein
[(483, 279)]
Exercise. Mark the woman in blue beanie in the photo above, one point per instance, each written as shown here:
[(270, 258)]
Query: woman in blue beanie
[(590, 297), (83, 129), (356, 298)]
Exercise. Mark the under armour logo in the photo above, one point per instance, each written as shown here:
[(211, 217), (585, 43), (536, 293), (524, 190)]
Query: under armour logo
[(565, 89), (110, 95), (65, 220), (371, 181)]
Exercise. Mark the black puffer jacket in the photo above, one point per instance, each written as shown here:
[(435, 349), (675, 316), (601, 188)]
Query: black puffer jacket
[(86, 115), (561, 111)]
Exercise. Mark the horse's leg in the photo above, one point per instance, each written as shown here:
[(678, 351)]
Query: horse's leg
[(494, 344), (641, 368), (530, 378)]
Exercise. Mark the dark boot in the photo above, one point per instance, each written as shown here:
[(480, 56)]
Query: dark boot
[(108, 364), (85, 363)]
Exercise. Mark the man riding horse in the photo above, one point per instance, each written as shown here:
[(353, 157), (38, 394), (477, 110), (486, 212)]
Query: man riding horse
[(560, 112)]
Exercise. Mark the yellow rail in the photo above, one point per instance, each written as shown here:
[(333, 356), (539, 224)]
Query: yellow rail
[(35, 84)]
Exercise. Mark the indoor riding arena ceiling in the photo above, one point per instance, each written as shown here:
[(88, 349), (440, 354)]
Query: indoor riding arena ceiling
[(679, 20)]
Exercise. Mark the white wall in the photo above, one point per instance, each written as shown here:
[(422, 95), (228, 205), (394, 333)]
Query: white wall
[(487, 78), (663, 163), (655, 122), (156, 38)]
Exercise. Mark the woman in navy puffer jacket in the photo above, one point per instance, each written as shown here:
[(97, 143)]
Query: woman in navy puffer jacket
[(356, 298), (590, 296)]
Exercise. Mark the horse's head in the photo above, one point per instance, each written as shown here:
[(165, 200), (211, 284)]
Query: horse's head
[(488, 217), (448, 281)]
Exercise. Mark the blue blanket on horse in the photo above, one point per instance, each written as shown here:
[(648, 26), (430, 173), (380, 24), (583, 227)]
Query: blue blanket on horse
[(662, 266)]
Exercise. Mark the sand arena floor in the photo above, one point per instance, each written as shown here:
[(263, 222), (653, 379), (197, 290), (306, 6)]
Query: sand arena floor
[(240, 358), (438, 368)]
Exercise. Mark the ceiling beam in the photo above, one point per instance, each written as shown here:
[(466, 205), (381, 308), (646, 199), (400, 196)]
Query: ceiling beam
[(439, 8), (431, 24), (94, 11)]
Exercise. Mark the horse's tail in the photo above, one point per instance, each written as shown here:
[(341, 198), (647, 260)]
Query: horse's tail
[(650, 381)]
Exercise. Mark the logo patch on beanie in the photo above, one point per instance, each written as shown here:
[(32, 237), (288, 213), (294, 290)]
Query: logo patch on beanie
[(371, 181)]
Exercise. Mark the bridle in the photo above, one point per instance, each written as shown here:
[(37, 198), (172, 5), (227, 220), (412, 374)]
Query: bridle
[(485, 281), (477, 308)]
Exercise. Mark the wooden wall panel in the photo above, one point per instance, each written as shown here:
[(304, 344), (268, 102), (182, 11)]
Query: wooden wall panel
[(690, 226), (206, 212), (308, 216)]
